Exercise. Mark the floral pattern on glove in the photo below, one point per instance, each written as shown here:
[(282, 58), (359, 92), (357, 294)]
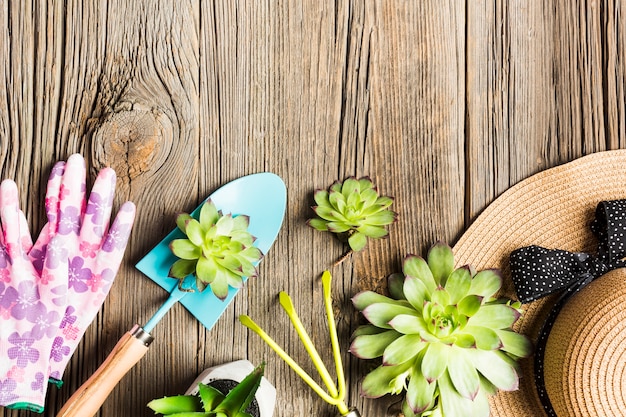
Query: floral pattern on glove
[(30, 307), (92, 250)]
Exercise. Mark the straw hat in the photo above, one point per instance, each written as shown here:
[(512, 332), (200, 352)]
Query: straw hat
[(585, 354)]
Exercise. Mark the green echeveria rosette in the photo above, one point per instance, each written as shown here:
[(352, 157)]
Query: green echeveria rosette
[(218, 250), (443, 337), (354, 211)]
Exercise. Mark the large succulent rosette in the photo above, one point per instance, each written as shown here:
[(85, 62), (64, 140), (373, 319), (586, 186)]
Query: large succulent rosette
[(444, 338)]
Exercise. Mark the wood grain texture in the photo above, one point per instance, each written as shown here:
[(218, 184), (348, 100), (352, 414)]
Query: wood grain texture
[(444, 104)]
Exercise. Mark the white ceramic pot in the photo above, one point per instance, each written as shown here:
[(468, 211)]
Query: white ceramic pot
[(226, 376)]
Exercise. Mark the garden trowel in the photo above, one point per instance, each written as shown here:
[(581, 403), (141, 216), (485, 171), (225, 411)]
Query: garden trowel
[(263, 198)]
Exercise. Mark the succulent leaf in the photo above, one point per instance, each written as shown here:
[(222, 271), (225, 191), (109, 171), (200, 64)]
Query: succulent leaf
[(373, 231), (370, 346), (469, 305), (435, 361), (366, 298), (454, 404), (209, 396), (440, 296), (441, 262), (181, 221), (175, 404), (485, 338), (420, 392), (354, 211), (357, 241), (321, 197), (240, 397), (383, 380), (397, 352), (184, 249), (395, 284), (495, 368), (514, 343), (367, 329), (408, 324), (209, 213), (495, 316), (486, 283), (453, 343), (458, 284), (380, 314), (415, 266), (416, 292), (182, 267), (194, 232), (463, 374)]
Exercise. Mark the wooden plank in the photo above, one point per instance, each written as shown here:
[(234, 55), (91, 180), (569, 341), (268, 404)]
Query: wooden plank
[(535, 89), (414, 141)]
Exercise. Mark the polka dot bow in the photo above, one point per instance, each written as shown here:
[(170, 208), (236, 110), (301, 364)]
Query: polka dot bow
[(537, 272)]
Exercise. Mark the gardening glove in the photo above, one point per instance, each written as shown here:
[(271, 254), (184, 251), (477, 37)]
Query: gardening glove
[(32, 304), (94, 251)]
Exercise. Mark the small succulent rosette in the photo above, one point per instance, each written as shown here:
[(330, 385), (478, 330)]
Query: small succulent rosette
[(218, 250), (445, 339), (354, 211)]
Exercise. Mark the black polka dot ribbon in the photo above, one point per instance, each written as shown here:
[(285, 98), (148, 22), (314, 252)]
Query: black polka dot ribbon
[(538, 272)]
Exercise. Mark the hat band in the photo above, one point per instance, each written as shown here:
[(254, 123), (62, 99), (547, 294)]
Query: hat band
[(537, 272)]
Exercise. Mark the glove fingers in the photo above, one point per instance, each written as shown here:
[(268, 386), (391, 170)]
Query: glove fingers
[(112, 250), (72, 195), (98, 211), (53, 191), (25, 237), (88, 291)]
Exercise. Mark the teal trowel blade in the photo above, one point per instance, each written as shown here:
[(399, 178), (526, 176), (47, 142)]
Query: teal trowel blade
[(263, 198)]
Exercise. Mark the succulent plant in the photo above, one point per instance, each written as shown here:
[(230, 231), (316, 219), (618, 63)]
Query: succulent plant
[(218, 250), (443, 337), (210, 402), (353, 210)]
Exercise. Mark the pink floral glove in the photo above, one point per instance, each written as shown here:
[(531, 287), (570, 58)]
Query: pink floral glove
[(94, 251), (32, 304)]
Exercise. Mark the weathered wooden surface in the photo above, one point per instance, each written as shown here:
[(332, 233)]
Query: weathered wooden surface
[(445, 104)]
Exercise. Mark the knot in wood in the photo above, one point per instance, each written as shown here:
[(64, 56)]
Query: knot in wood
[(132, 142)]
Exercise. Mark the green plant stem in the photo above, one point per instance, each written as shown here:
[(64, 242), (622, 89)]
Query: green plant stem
[(287, 304)]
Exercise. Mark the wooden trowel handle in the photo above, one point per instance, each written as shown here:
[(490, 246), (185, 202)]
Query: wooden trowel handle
[(88, 399)]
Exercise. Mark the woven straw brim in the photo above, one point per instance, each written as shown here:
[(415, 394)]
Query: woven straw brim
[(552, 209), (585, 361)]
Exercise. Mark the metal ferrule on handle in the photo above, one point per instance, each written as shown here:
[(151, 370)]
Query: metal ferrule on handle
[(352, 413), (88, 399)]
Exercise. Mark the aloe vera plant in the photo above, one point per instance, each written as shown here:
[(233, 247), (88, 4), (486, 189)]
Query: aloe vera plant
[(210, 402)]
